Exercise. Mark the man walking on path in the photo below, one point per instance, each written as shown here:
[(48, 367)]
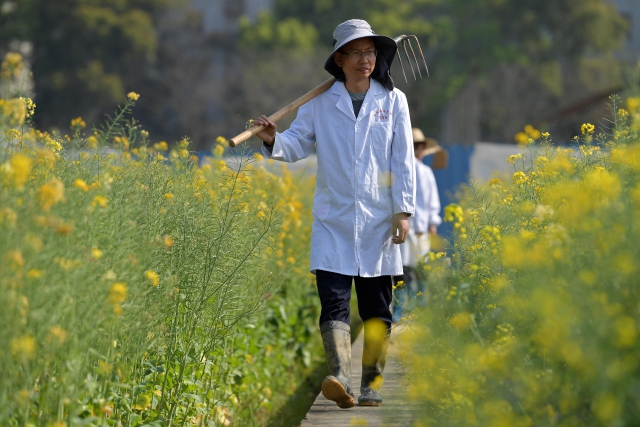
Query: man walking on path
[(364, 196), (422, 227)]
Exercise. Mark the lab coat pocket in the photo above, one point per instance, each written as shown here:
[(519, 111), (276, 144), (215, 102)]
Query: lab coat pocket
[(381, 135), (321, 204)]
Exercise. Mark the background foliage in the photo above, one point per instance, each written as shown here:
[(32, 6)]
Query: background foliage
[(86, 53), (465, 39), (524, 56)]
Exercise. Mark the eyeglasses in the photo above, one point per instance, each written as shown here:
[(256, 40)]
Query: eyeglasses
[(356, 54)]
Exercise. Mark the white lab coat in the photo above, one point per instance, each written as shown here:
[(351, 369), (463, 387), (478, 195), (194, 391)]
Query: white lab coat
[(427, 213), (365, 176)]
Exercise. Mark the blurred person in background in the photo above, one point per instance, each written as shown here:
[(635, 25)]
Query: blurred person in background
[(422, 226), (364, 197)]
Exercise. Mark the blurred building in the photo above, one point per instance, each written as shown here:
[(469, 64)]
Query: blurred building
[(630, 10), (221, 16)]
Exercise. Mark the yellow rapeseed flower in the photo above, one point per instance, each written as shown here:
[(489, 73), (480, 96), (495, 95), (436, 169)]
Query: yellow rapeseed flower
[(92, 142), (24, 347), (152, 276), (81, 184), (13, 135), (168, 241), (67, 264), (606, 407), (520, 178), (512, 158), (57, 335), (99, 200), (218, 151), (168, 196), (542, 160), (96, 253), (376, 383), (633, 104), (132, 96), (117, 292), (50, 193), (14, 259), (15, 172), (34, 274), (11, 66), (521, 138), (532, 132), (587, 129), (14, 111), (222, 140), (453, 213), (123, 141), (77, 124), (358, 422), (161, 146), (30, 106), (9, 215), (461, 321)]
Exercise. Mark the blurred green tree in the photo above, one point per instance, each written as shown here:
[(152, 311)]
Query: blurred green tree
[(86, 53), (290, 33), (469, 38)]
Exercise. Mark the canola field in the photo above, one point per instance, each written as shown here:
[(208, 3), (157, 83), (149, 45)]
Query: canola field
[(533, 318), (138, 288)]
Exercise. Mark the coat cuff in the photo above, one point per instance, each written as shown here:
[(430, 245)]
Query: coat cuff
[(406, 210), (267, 150)]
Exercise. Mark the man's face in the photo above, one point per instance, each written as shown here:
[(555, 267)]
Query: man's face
[(418, 148), (356, 67)]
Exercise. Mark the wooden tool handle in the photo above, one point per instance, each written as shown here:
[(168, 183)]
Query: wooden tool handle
[(283, 112)]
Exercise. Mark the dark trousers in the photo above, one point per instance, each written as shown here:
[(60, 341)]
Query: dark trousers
[(374, 297)]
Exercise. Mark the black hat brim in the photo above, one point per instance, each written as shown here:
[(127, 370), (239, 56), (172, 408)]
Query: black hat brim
[(385, 46)]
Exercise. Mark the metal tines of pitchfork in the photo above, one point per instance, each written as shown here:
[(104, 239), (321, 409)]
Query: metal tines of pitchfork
[(405, 40)]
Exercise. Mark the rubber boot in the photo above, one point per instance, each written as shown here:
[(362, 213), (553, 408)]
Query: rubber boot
[(374, 357), (336, 338)]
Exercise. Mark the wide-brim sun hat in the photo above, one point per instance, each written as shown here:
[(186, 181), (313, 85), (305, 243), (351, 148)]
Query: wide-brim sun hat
[(419, 138), (354, 29)]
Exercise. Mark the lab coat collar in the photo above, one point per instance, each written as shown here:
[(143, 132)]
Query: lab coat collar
[(376, 90), (345, 105)]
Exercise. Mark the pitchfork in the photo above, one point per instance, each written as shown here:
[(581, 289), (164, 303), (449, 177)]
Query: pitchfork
[(400, 41)]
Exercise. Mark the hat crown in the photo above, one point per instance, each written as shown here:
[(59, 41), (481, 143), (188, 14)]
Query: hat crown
[(418, 136), (351, 27)]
